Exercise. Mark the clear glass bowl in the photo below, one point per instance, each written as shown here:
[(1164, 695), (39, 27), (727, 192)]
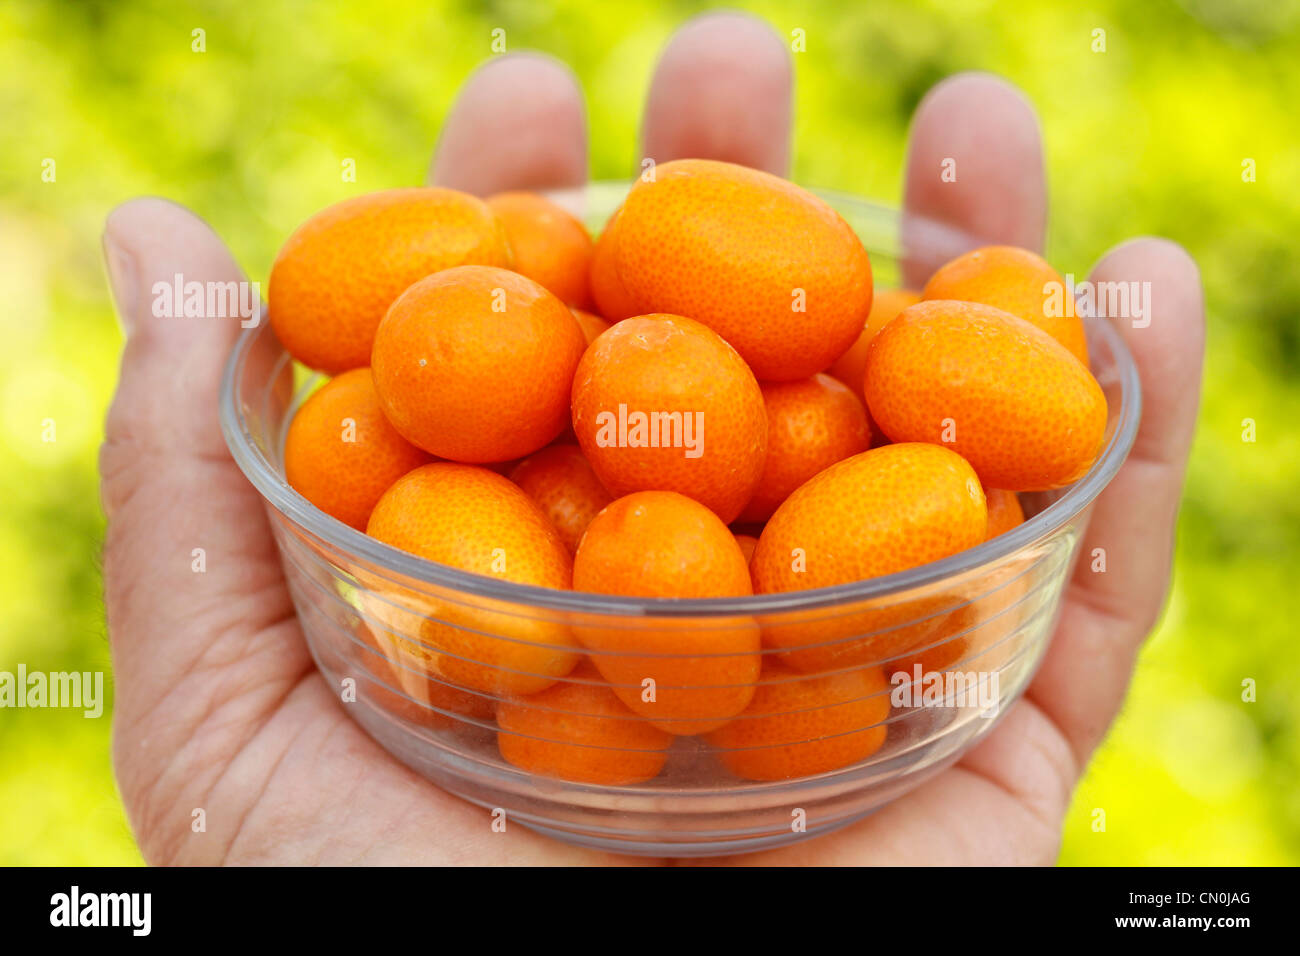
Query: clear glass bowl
[(422, 645)]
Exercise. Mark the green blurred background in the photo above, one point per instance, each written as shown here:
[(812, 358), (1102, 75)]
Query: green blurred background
[(1147, 137)]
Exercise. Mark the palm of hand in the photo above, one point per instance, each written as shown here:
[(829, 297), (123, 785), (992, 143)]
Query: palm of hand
[(219, 706)]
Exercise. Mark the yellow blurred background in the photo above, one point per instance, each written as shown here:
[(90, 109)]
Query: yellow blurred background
[(1150, 135)]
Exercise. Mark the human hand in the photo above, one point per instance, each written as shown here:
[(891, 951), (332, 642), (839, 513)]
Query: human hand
[(218, 704)]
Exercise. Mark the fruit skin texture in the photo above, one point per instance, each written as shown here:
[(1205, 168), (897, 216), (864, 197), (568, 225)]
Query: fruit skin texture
[(850, 367), (729, 246), (471, 384), (1005, 512), (668, 364), (549, 245), (344, 478), (662, 544), (797, 726), (336, 276), (1013, 280), (607, 290), (885, 510), (578, 730), (747, 544), (476, 520), (1017, 405), (811, 424), (560, 481)]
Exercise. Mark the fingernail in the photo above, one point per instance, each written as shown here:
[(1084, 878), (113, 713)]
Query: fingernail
[(123, 282)]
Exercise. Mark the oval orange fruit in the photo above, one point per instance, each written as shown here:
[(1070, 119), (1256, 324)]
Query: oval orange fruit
[(339, 272), (474, 364), (1005, 512), (885, 305), (685, 676), (885, 510), (881, 511), (660, 402), (341, 453), (473, 519), (549, 245), (607, 289), (560, 481), (811, 424), (578, 730), (768, 266), (797, 726), (1002, 393)]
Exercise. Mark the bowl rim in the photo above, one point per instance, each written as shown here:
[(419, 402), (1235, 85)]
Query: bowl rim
[(275, 490)]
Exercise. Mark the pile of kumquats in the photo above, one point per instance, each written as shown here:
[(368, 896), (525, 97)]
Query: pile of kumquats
[(709, 400)]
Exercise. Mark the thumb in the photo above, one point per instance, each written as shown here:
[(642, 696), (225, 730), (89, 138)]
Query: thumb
[(200, 622)]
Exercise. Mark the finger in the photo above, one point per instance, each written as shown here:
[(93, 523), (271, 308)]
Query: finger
[(974, 173), (197, 610), (722, 90), (518, 123), (169, 361), (1108, 613)]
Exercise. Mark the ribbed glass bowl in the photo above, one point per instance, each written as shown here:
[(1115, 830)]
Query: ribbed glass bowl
[(416, 643)]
